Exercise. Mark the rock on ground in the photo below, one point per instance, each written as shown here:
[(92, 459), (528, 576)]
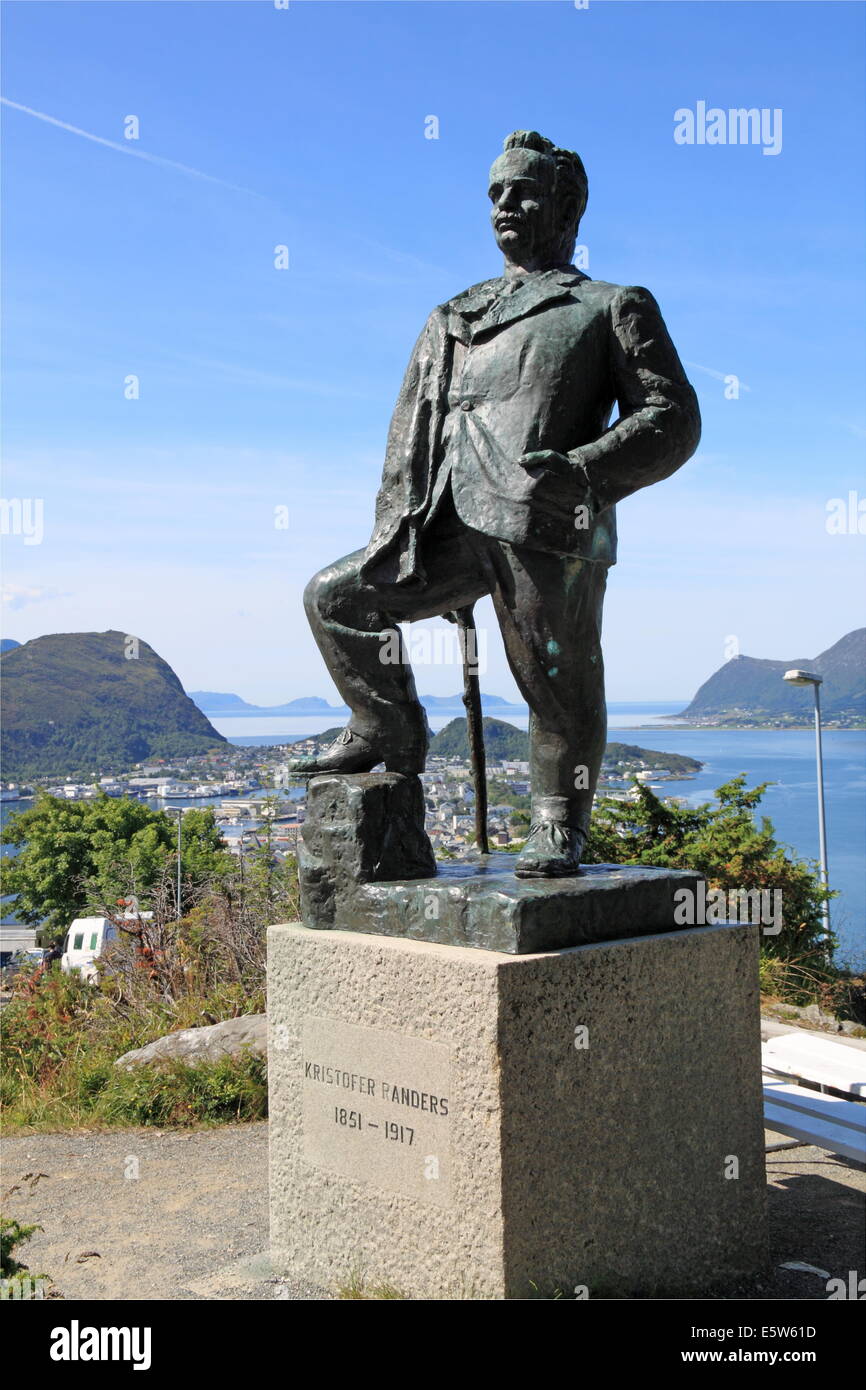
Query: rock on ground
[(231, 1038)]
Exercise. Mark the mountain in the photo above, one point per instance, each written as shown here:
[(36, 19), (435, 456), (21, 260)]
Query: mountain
[(8, 644), (752, 687), (214, 702), (73, 703), (505, 742), (501, 741)]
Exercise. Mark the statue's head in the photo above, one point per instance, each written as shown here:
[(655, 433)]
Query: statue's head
[(538, 194)]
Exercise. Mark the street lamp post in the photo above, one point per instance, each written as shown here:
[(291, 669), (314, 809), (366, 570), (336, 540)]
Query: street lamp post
[(179, 810), (809, 678)]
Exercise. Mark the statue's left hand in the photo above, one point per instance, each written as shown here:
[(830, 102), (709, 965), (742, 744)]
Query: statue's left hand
[(559, 463), (562, 465), (546, 458)]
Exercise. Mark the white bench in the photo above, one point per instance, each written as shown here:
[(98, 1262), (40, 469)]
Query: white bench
[(817, 1059), (813, 1117), (839, 1126)]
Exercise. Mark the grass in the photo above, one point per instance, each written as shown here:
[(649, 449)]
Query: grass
[(60, 1043), (16, 1280), (99, 1095), (357, 1289), (799, 980)]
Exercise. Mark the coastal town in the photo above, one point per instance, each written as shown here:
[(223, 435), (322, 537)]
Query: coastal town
[(251, 788)]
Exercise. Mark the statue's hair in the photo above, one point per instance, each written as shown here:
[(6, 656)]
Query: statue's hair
[(571, 177)]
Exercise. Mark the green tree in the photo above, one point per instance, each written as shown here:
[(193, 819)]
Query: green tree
[(78, 856), (725, 842)]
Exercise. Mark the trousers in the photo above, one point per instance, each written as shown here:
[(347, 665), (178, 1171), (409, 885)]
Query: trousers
[(549, 610)]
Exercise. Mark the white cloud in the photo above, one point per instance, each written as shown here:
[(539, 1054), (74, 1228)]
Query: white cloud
[(16, 596)]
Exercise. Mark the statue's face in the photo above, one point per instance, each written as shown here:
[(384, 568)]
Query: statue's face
[(524, 215)]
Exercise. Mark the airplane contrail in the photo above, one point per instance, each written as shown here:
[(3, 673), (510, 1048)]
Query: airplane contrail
[(125, 149), (711, 371)]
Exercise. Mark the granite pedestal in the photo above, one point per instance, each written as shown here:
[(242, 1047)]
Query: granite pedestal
[(480, 1124)]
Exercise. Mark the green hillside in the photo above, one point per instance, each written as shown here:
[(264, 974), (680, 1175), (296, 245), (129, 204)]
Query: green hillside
[(74, 704), (504, 742), (748, 686)]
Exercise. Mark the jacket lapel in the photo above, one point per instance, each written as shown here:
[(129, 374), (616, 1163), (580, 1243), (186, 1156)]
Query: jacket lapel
[(467, 309), (490, 307)]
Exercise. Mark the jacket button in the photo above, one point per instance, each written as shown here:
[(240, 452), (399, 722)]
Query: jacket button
[(465, 405)]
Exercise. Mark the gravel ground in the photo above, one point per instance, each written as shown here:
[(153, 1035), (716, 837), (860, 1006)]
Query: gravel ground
[(193, 1223), (189, 1225)]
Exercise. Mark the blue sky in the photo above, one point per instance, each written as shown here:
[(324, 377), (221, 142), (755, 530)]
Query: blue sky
[(262, 388)]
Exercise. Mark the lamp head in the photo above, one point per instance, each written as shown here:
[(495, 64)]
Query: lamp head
[(803, 678)]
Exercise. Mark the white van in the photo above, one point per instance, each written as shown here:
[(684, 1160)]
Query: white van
[(83, 943)]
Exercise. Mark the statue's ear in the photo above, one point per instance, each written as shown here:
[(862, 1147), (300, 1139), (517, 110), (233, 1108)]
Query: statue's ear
[(568, 211)]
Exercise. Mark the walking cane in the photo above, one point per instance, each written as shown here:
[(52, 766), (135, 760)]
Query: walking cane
[(474, 726)]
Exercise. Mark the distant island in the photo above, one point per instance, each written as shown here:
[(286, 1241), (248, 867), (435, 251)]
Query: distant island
[(750, 692), (220, 702), (79, 701), (214, 702)]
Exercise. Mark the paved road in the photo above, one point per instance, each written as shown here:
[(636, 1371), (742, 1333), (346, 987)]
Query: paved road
[(179, 1215)]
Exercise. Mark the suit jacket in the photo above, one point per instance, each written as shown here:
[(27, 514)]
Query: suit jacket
[(508, 368)]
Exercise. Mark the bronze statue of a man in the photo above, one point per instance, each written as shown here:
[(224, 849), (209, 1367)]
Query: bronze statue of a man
[(501, 477)]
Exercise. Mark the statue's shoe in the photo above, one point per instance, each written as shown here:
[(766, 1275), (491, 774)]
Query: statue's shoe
[(552, 850), (348, 753)]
